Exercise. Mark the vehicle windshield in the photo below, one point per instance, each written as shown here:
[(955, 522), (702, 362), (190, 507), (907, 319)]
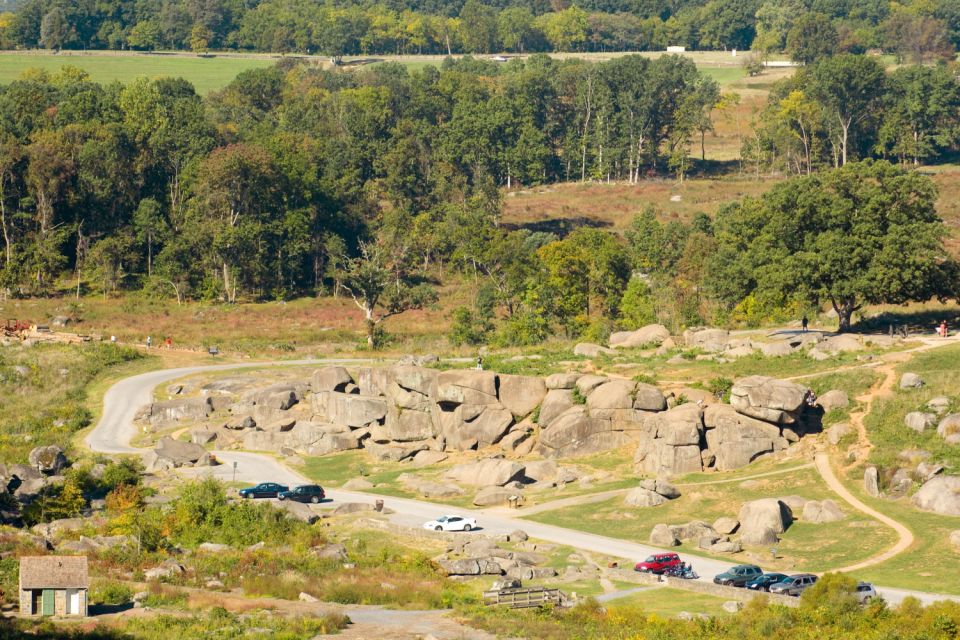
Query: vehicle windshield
[(650, 559), (442, 519)]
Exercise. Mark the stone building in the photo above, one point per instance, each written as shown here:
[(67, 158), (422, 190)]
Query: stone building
[(53, 585)]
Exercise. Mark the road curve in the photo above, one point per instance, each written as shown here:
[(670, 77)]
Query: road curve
[(115, 430)]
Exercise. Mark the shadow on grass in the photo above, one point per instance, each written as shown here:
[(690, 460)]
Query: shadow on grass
[(922, 321), (107, 609)]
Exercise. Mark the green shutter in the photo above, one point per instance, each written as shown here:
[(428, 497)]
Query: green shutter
[(48, 608)]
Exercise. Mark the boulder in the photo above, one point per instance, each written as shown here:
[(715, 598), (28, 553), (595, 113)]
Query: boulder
[(467, 386), (910, 381), (541, 470), (178, 453), (692, 530), (169, 411), (562, 380), (429, 488), (519, 536), (727, 546), (871, 482), (520, 395), (761, 521), (647, 397), (49, 459), (586, 384), (348, 409), (927, 470), (940, 494), (710, 340), (955, 539), (939, 405), (768, 399), (640, 497), (840, 343), (616, 394), (470, 426), (514, 438), (330, 379), (738, 439), (407, 425), (490, 496), (506, 583), (202, 436), (576, 433), (725, 526), (666, 459), (920, 421), (357, 484), (213, 547), (428, 458), (409, 378), (393, 452), (662, 486), (662, 536), (485, 473), (591, 350), (298, 510), (554, 403), (652, 334), (838, 432), (821, 512), (834, 399), (330, 551), (732, 606), (949, 428), (775, 349), (166, 569)]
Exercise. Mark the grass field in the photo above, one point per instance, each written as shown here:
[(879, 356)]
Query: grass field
[(668, 603), (206, 74), (804, 547)]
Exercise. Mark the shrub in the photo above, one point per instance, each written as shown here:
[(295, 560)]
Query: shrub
[(110, 592), (578, 397), (720, 388)]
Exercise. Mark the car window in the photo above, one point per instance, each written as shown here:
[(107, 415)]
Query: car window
[(650, 559), (455, 519)]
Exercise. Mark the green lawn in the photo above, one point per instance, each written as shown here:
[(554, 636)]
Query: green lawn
[(885, 427), (804, 546), (724, 76), (206, 74)]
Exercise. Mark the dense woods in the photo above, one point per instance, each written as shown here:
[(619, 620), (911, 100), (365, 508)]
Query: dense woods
[(910, 29), (382, 183)]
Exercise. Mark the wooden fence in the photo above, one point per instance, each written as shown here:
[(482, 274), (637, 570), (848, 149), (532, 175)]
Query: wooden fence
[(525, 597)]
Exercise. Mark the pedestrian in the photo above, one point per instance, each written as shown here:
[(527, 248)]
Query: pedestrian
[(479, 363), (804, 322), (149, 342), (113, 339), (943, 328), (168, 343)]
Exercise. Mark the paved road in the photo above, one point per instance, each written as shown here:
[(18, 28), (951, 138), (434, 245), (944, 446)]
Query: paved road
[(115, 430)]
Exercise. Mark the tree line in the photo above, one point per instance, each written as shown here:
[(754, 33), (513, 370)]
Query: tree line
[(453, 26)]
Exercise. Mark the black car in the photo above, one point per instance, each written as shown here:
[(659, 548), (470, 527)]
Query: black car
[(264, 490), (304, 493), (739, 575), (767, 580)]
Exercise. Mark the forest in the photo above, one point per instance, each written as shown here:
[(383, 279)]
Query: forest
[(383, 184), (453, 26)]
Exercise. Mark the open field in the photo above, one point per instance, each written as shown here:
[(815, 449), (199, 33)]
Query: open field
[(668, 603), (804, 547), (206, 74)]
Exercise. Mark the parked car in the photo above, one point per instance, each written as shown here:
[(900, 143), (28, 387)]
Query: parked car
[(866, 592), (451, 523), (794, 585), (264, 490), (739, 575), (765, 581), (658, 563), (304, 493)]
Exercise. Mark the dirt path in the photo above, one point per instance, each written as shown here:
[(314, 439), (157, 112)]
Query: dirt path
[(906, 536)]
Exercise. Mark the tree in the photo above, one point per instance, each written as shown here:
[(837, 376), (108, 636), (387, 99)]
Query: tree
[(566, 30), (10, 156), (380, 291), (916, 38), (515, 27), (149, 225), (850, 90), (55, 30), (865, 233), (478, 27), (145, 35), (812, 37), (923, 113), (200, 37)]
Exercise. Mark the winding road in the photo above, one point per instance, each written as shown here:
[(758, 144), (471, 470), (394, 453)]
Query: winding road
[(115, 430)]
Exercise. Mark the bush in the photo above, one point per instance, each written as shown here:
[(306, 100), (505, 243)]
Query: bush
[(110, 592), (720, 388), (636, 306)]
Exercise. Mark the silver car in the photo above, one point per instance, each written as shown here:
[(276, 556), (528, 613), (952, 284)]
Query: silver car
[(865, 592), (794, 585)]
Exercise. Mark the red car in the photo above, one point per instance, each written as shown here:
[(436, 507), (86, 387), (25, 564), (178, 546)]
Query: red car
[(658, 563)]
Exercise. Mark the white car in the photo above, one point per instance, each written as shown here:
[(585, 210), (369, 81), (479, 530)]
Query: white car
[(865, 592), (451, 523)]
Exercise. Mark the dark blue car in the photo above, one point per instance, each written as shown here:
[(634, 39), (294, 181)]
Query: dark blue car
[(264, 490), (764, 582)]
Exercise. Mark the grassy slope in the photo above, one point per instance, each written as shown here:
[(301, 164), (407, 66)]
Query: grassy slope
[(206, 74)]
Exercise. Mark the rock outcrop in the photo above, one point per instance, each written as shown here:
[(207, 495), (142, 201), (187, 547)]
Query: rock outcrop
[(761, 521), (650, 335), (768, 399), (941, 495)]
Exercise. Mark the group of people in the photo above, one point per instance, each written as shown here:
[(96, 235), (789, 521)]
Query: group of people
[(167, 342)]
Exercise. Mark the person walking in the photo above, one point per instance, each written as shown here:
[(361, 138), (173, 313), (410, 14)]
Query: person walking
[(149, 342), (479, 363), (943, 328), (804, 322)]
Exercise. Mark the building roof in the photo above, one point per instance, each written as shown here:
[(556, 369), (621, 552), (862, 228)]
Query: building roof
[(54, 572)]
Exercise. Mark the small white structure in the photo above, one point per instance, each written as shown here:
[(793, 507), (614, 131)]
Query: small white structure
[(676, 49), (53, 585)]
